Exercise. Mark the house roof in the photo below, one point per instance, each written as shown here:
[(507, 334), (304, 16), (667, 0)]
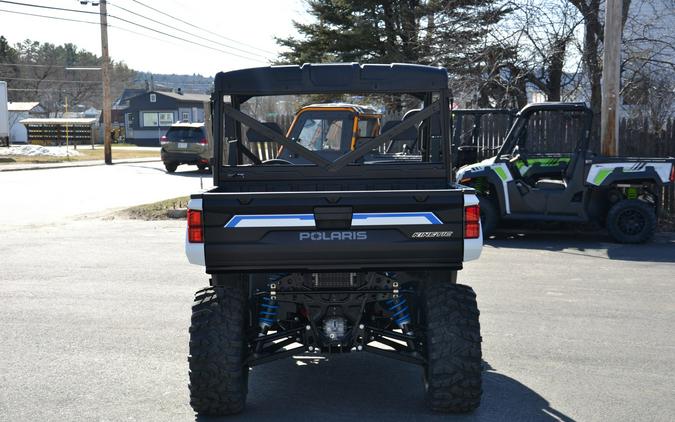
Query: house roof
[(130, 92), (185, 96), (59, 121), (19, 106)]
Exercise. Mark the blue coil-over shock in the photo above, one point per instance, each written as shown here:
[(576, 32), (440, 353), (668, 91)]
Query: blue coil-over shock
[(268, 313), (399, 312)]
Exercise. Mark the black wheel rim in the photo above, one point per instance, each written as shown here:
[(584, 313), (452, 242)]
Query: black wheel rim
[(631, 222)]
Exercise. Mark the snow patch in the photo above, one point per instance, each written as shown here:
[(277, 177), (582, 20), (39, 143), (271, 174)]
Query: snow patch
[(38, 150)]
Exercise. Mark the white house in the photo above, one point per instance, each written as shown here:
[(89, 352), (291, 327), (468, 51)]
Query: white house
[(19, 111)]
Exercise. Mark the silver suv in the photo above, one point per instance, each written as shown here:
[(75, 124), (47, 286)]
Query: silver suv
[(185, 143)]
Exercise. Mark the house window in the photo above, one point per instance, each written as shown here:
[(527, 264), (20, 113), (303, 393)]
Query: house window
[(153, 98), (185, 116), (165, 119), (150, 119), (154, 119)]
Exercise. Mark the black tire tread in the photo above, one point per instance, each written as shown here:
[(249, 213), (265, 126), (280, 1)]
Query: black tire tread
[(218, 378), (489, 215), (454, 358), (170, 167), (645, 209)]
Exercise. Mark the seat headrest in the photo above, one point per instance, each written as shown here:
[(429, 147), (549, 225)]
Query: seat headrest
[(254, 136), (409, 134)]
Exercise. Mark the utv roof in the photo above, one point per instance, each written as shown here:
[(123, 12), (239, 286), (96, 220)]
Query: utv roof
[(361, 109), (554, 106), (332, 78), (187, 124)]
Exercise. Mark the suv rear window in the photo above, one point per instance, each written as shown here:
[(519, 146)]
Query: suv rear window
[(185, 134)]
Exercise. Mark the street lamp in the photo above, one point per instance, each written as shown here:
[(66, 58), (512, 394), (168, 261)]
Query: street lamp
[(107, 105)]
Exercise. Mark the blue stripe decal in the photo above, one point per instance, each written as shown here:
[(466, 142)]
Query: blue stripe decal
[(358, 219), (430, 216), (238, 219)]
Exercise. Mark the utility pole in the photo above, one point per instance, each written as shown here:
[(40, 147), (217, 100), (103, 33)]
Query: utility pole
[(611, 78), (107, 104)]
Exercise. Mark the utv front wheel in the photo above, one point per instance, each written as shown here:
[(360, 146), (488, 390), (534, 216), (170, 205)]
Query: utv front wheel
[(631, 221), (453, 368), (218, 347)]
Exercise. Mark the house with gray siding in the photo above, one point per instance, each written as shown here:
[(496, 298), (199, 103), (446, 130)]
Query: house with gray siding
[(147, 116)]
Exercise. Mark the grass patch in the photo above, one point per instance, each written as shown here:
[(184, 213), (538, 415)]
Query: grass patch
[(161, 210), (86, 154), (123, 145)]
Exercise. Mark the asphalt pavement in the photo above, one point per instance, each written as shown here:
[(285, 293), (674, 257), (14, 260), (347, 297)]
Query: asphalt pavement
[(95, 313)]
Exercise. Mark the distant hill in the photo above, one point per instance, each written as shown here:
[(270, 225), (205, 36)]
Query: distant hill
[(188, 83)]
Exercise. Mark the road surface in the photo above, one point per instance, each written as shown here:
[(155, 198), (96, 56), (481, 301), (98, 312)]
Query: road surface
[(95, 313), (38, 197)]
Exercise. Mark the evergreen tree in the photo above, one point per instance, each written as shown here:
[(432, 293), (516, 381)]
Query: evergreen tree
[(448, 33)]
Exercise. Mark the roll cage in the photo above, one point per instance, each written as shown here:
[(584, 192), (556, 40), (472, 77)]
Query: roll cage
[(519, 127), (232, 89)]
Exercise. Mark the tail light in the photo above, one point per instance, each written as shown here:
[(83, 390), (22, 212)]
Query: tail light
[(472, 222), (203, 141), (672, 174), (195, 227), (163, 140)]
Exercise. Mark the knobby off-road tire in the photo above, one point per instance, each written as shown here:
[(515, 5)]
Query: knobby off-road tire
[(218, 376), (631, 221), (453, 341), (489, 215)]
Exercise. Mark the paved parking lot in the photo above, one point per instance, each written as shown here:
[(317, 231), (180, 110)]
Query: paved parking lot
[(94, 322)]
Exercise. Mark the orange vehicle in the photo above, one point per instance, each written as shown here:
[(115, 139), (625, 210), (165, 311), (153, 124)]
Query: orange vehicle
[(331, 129)]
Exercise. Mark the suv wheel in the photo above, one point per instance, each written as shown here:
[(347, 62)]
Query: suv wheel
[(170, 167), (218, 349), (453, 373), (631, 221)]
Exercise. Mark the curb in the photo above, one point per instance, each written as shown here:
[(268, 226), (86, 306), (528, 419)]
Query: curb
[(80, 164)]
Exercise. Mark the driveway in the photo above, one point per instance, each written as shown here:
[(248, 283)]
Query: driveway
[(94, 321)]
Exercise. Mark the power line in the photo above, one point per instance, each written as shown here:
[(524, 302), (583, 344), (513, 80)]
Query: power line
[(120, 19), (29, 64), (45, 16), (201, 29), (49, 7), (36, 89), (183, 31), (182, 39), (52, 80)]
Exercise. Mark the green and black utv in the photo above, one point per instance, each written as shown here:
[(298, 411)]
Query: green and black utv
[(531, 180)]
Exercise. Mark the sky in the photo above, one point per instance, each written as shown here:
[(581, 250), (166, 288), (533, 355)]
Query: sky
[(240, 33)]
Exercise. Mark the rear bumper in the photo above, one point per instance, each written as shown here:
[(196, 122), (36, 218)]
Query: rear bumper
[(184, 157)]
